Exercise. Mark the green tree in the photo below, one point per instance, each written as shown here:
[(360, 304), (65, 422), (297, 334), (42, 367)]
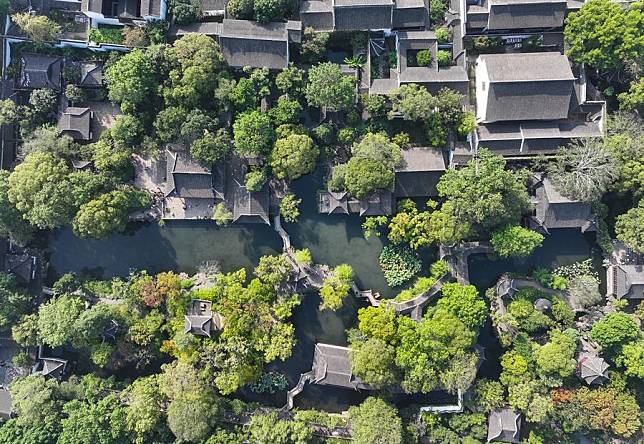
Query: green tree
[(584, 171), (115, 162), (212, 147), (313, 45), (255, 180), (13, 302), (625, 141), (240, 9), (40, 189), (412, 102), (197, 124), (463, 301), (328, 87), (286, 111), (34, 400), (584, 290), (489, 395), (46, 138), (378, 322), (269, 429), (132, 81), (293, 157), (39, 28), (374, 362), (375, 422), (253, 133), (86, 422), (10, 112), (289, 207), (410, 226), (364, 176), (484, 193), (42, 102), (633, 99), (604, 35), (336, 287), (127, 131), (12, 224), (631, 359), (221, 215), (168, 123), (629, 227), (25, 332), (108, 213), (615, 330), (56, 317), (269, 10), (191, 416), (290, 81), (557, 357), (377, 146), (514, 240), (74, 94)]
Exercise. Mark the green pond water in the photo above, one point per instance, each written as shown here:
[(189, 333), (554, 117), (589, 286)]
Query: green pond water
[(335, 239)]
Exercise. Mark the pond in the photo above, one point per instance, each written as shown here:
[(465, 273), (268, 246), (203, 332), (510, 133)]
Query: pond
[(561, 247)]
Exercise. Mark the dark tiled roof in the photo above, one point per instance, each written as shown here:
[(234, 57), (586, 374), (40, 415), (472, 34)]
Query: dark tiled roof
[(420, 172), (248, 207), (556, 211), (248, 43), (91, 74), (504, 425), (75, 122), (353, 15), (331, 366), (518, 14), (150, 8), (529, 86), (186, 178), (41, 71), (92, 6), (23, 266), (628, 281)]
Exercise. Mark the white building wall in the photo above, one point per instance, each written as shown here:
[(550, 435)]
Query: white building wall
[(482, 89)]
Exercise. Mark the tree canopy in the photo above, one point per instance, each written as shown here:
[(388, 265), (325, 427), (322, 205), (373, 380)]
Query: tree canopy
[(328, 87)]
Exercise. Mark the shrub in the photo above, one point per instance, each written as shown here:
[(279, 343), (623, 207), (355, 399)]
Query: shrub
[(289, 207), (270, 382), (423, 57), (399, 264), (444, 58), (515, 241), (106, 34), (442, 35), (255, 180), (221, 215), (303, 256)]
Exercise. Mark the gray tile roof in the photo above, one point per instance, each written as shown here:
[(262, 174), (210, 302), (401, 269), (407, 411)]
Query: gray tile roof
[(91, 74), (331, 202), (525, 14), (358, 15), (186, 178), (504, 425), (248, 207), (76, 122), (198, 325), (420, 172), (248, 43), (527, 67), (628, 281), (592, 369), (53, 367), (556, 211), (527, 86), (331, 366), (41, 71), (21, 265)]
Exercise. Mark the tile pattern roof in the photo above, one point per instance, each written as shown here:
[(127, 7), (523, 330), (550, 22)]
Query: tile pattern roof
[(331, 366), (504, 425), (628, 281), (75, 122), (592, 369), (41, 71)]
